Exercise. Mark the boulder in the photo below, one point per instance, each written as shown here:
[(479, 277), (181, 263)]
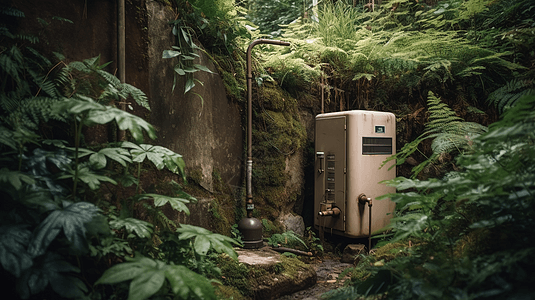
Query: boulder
[(293, 223)]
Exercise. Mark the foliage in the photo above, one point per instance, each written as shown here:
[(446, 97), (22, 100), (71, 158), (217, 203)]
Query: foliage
[(55, 215), (394, 54), (270, 15), (216, 23), (449, 133), (286, 239), (148, 276), (313, 242), (206, 240), (185, 52), (472, 227), (506, 96)]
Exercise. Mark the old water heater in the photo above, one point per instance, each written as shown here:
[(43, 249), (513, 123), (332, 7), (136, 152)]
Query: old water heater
[(350, 147)]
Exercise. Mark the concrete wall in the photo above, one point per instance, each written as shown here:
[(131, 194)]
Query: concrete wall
[(205, 131), (208, 132)]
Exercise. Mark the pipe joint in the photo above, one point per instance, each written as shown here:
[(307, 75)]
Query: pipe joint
[(334, 212), (362, 198)]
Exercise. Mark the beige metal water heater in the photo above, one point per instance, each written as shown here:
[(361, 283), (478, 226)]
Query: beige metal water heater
[(350, 147)]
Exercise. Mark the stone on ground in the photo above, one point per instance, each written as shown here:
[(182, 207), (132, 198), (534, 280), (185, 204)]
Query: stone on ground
[(273, 285), (351, 253)]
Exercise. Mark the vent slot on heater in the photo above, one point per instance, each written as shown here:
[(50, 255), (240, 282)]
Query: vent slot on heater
[(331, 183), (376, 145)]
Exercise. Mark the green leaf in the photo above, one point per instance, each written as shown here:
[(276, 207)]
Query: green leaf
[(92, 113), (190, 83), (160, 156), (141, 228), (98, 160), (178, 204), (179, 70), (188, 284), (205, 239), (71, 221), (87, 176), (148, 276), (125, 271), (15, 178), (51, 270), (146, 284), (120, 155), (170, 53), (6, 138), (13, 242), (202, 68)]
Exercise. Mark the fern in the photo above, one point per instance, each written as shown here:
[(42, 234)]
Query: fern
[(450, 133), (31, 111), (109, 86), (508, 95)]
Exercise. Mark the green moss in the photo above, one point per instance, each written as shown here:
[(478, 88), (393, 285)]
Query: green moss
[(243, 277), (223, 207), (225, 292), (291, 266), (391, 250), (194, 175), (235, 274)]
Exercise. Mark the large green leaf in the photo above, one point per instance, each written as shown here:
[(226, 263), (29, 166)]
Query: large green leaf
[(71, 221), (91, 112), (15, 178), (141, 228), (6, 138), (53, 270), (188, 284), (148, 276), (87, 176), (178, 204), (160, 156), (120, 155), (146, 284), (205, 239), (13, 242)]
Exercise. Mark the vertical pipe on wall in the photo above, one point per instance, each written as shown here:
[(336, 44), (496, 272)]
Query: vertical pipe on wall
[(251, 228), (249, 201), (121, 50)]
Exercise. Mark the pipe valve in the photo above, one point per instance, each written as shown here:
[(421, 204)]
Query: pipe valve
[(363, 199), (335, 212)]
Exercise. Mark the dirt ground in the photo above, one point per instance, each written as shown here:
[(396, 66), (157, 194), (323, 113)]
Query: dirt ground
[(328, 271)]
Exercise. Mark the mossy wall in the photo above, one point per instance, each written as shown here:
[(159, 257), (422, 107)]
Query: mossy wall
[(279, 139)]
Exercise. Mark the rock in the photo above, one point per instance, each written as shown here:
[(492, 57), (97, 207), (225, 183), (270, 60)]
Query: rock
[(260, 257), (273, 285), (293, 223), (351, 253)]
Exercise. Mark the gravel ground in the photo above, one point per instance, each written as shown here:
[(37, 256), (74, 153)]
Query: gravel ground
[(327, 271)]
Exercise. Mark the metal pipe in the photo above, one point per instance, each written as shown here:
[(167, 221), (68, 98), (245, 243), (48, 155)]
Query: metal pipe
[(249, 198), (363, 199), (251, 228), (335, 212), (294, 251)]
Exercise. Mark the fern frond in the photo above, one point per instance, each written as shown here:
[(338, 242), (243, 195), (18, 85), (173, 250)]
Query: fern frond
[(136, 94), (26, 37), (450, 133), (30, 112), (10, 62), (10, 11), (109, 78), (509, 94)]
